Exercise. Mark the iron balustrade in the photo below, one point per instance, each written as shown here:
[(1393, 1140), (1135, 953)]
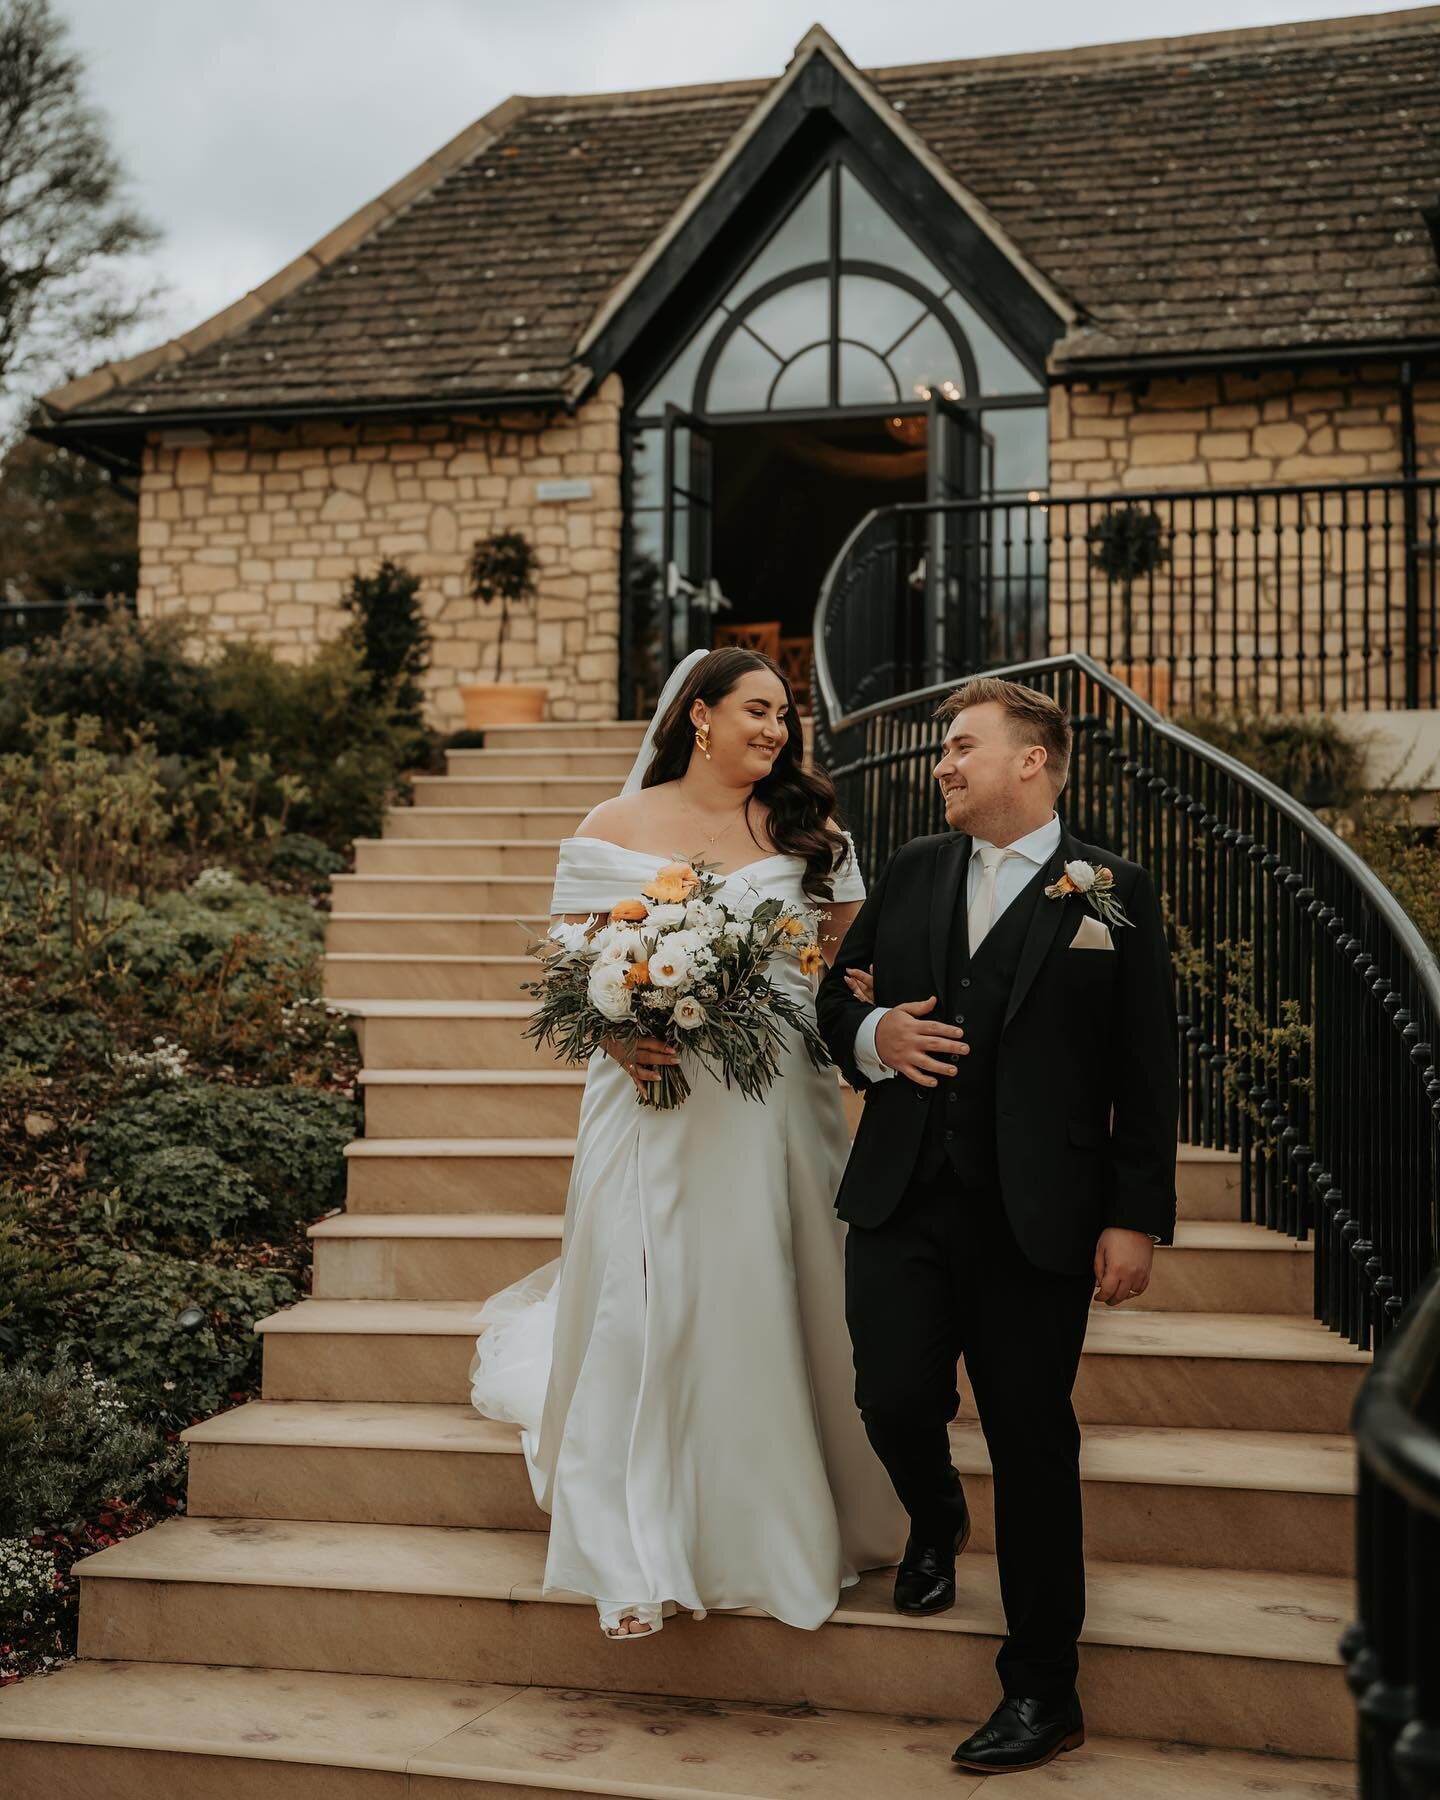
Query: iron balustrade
[(1309, 1003), (1392, 1653), (1288, 598)]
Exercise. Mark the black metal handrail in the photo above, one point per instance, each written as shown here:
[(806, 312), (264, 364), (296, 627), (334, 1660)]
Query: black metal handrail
[(1309, 1002), (1287, 597), (1392, 1653)]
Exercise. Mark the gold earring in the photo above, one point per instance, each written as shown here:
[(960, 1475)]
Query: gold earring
[(702, 740)]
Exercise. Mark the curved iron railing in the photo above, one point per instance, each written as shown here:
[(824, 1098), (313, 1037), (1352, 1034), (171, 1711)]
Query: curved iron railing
[(1392, 1655), (1309, 1003)]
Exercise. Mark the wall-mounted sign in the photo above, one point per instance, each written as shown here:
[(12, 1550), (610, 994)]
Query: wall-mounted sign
[(576, 488)]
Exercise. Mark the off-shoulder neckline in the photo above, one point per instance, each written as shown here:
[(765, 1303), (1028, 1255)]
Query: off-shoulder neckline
[(651, 856)]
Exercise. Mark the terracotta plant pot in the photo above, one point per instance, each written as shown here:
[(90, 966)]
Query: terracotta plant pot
[(502, 703)]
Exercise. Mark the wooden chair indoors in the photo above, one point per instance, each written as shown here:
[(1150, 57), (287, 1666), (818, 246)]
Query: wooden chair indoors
[(764, 637), (794, 661)]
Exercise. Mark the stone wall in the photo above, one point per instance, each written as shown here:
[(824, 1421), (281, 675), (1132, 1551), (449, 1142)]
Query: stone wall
[(260, 530), (1296, 600)]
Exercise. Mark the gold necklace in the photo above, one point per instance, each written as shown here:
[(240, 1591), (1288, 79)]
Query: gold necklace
[(711, 837)]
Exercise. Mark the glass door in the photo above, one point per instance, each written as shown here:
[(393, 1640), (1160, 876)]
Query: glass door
[(692, 597), (954, 565)]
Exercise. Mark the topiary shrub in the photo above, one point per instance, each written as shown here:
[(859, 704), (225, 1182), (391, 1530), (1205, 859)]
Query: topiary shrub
[(288, 1142), (68, 1440), (166, 1325), (394, 639)]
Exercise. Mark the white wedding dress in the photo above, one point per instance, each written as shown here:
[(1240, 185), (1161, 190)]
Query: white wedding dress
[(682, 1376)]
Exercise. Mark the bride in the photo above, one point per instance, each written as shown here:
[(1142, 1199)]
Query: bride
[(682, 1376)]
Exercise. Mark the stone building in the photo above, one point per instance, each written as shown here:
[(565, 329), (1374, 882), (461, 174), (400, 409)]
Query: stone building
[(689, 340)]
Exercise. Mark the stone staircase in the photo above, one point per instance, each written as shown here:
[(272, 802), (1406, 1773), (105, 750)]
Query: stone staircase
[(352, 1607)]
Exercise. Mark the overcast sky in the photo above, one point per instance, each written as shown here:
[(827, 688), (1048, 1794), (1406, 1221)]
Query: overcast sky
[(250, 130)]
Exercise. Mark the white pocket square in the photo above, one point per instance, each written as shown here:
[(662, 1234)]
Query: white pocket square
[(1094, 934)]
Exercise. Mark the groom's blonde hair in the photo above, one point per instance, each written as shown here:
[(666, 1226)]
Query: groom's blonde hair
[(1034, 717)]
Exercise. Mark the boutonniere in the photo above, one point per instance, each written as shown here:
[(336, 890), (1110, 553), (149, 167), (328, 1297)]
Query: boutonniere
[(1098, 887)]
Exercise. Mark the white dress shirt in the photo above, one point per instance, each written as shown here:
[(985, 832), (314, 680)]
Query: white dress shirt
[(1028, 854)]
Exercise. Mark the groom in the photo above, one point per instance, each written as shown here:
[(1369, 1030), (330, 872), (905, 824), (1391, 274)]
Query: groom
[(1015, 1159)]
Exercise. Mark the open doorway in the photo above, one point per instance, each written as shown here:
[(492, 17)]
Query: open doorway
[(786, 498)]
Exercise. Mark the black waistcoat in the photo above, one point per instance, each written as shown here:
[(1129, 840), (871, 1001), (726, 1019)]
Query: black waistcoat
[(960, 1121)]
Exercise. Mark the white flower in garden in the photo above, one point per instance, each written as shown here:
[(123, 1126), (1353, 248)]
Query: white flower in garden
[(669, 964), (607, 990), (215, 879), (665, 918), (1082, 874), (689, 1013)]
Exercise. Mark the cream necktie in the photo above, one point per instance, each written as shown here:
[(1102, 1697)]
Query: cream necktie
[(982, 907)]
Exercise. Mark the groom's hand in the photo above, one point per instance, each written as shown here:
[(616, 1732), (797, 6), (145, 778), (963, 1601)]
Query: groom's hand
[(1122, 1265), (913, 1045)]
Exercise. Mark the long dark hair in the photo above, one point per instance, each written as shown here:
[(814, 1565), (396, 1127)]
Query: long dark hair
[(801, 801)]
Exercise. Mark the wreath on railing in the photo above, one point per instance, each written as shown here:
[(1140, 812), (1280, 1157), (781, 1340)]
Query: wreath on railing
[(1127, 545)]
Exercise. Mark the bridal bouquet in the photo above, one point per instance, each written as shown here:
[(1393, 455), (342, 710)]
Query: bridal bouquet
[(678, 964)]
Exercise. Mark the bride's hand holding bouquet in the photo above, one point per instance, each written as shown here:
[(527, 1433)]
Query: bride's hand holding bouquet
[(678, 969)]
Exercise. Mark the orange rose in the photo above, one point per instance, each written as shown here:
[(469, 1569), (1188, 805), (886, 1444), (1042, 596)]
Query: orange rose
[(1066, 886), (811, 961), (673, 885), (637, 973), (629, 912)]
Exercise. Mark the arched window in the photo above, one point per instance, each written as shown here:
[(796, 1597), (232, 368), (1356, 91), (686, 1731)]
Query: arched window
[(840, 308)]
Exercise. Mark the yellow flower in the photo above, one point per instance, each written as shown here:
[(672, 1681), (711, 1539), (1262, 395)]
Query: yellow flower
[(637, 974), (672, 885), (811, 961), (629, 912), (792, 927)]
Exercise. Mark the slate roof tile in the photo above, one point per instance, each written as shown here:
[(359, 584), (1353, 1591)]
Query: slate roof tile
[(1258, 190)]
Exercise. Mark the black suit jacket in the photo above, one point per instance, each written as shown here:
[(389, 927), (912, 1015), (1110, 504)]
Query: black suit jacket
[(1087, 1077)]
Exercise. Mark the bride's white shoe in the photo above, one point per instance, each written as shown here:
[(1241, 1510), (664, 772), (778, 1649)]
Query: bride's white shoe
[(614, 1619)]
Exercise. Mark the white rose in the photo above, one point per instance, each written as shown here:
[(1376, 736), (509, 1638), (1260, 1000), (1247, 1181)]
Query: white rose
[(621, 946), (669, 965), (570, 937), (1082, 874), (608, 992), (665, 918), (689, 1013)]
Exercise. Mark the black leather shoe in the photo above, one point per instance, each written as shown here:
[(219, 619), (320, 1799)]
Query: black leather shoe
[(925, 1580), (1022, 1734)]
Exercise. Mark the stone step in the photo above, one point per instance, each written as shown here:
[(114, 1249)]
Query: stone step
[(428, 1256), (449, 1254), (384, 975), (130, 1730), (455, 856), (457, 1175), (590, 760), (1217, 1371), (471, 1103), (583, 791), (510, 822), (433, 934), (1200, 1499), (580, 734), (1246, 1659), (522, 896), (444, 1034)]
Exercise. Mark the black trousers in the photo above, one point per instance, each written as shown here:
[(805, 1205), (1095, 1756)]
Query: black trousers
[(943, 1279)]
